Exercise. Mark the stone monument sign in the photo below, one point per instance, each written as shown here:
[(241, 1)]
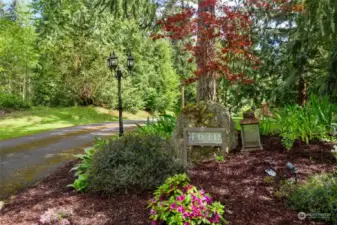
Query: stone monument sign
[(204, 137), (204, 130)]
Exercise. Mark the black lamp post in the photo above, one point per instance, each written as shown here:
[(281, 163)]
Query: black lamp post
[(113, 65)]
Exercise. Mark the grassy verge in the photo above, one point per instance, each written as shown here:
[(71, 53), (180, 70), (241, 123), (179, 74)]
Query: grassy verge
[(42, 119)]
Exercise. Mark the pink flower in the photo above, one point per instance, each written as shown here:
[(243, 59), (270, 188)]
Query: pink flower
[(181, 198), (154, 222), (208, 199), (186, 214), (186, 223), (188, 187), (216, 218), (180, 209), (173, 206), (153, 212)]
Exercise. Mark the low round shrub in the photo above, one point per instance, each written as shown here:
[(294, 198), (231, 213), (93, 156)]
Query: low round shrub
[(177, 202), (133, 162), (318, 195), (9, 101)]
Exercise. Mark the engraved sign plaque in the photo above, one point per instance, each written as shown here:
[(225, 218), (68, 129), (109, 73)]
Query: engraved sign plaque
[(204, 137)]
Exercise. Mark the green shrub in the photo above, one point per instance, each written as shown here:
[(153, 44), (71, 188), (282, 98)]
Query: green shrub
[(177, 202), (9, 101), (286, 189), (81, 169), (269, 126), (163, 127), (132, 162), (299, 123), (318, 195), (313, 121)]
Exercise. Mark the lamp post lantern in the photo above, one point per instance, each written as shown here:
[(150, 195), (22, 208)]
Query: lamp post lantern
[(131, 62), (113, 65), (250, 132)]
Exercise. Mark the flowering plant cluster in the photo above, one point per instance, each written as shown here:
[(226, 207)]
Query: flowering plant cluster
[(180, 203), (56, 216)]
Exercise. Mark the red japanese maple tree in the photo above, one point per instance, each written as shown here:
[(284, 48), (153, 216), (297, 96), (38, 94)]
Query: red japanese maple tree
[(218, 35), (210, 25)]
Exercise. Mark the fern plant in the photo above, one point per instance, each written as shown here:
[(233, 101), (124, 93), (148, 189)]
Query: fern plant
[(163, 127), (312, 121)]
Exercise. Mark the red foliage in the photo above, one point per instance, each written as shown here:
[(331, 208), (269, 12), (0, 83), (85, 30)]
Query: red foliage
[(222, 23), (229, 25)]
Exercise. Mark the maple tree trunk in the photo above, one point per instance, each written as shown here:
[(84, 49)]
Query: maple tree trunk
[(206, 89)]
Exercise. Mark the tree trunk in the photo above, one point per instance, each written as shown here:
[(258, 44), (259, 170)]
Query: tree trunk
[(182, 95), (302, 98), (206, 89), (331, 87)]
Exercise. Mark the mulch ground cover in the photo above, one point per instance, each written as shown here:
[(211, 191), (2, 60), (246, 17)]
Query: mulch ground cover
[(238, 182)]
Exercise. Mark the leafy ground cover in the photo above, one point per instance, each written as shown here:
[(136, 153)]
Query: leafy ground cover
[(22, 123), (238, 182)]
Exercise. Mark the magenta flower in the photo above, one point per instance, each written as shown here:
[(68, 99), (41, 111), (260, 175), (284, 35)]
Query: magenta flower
[(180, 209), (185, 201), (208, 199), (187, 188), (216, 218), (186, 214), (181, 198), (173, 206), (153, 212)]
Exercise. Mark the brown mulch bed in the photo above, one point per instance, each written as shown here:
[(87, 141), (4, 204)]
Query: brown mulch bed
[(238, 182)]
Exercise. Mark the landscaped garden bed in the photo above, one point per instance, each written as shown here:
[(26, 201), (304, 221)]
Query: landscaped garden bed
[(238, 182)]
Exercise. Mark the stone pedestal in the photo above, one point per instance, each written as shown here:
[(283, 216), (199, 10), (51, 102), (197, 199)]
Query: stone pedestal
[(204, 114)]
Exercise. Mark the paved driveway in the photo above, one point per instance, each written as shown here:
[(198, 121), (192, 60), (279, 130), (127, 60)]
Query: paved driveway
[(25, 160)]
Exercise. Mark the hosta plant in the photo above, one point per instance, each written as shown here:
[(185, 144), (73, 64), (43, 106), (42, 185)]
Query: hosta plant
[(81, 169), (180, 203)]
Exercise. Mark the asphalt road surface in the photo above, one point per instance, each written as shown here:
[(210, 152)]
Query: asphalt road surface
[(25, 160)]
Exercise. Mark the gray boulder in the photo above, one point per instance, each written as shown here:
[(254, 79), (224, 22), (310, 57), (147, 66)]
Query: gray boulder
[(204, 114)]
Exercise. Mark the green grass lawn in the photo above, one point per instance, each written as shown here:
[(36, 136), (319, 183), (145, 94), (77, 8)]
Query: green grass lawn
[(41, 119)]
